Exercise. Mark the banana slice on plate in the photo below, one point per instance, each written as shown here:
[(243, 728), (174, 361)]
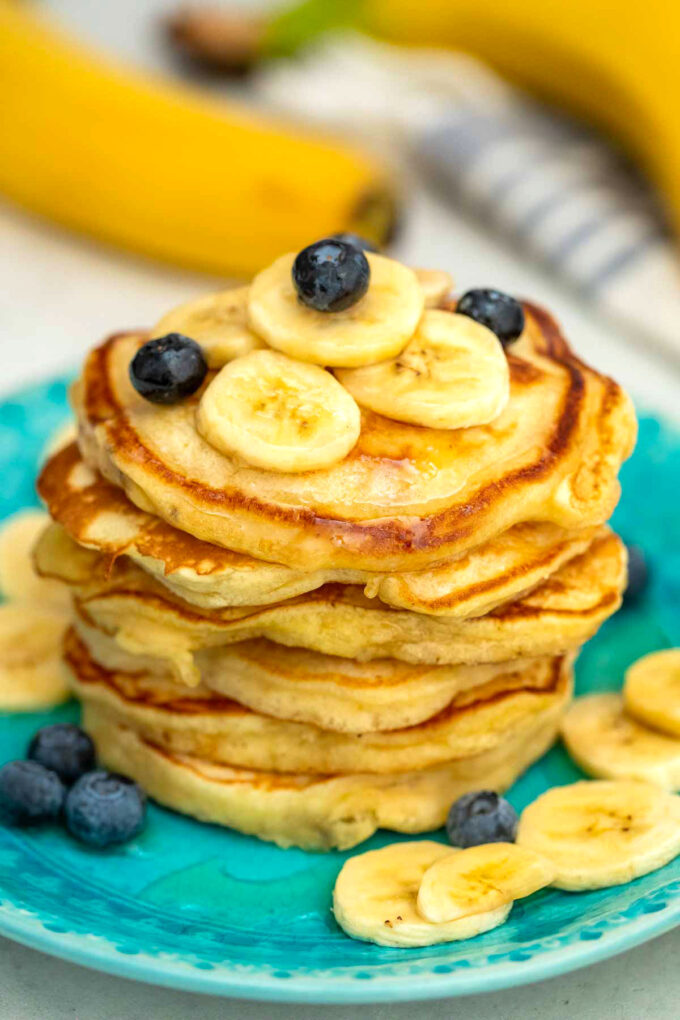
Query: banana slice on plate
[(218, 322), (452, 374), (436, 284), (18, 579), (652, 690), (608, 743), (599, 833), (376, 898), (376, 327), (480, 879), (278, 414), (32, 675)]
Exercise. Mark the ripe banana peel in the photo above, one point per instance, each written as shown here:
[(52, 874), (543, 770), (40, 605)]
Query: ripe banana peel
[(160, 169), (615, 64)]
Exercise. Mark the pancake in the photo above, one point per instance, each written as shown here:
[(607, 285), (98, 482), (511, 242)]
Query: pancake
[(405, 498), (339, 620), (224, 731), (301, 686), (99, 515), (314, 812)]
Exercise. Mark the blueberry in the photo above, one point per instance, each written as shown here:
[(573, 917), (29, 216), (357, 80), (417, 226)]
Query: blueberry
[(167, 369), (65, 749), (481, 817), (29, 793), (330, 276), (104, 808), (357, 242), (497, 311), (638, 573)]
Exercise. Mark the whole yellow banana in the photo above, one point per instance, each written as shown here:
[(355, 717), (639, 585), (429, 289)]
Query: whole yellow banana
[(162, 170), (611, 61)]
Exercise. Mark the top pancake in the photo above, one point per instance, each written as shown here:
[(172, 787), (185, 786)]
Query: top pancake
[(405, 498), (98, 515)]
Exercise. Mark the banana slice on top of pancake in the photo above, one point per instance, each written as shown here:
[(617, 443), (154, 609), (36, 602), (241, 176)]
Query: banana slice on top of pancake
[(278, 414), (218, 322), (452, 374), (377, 326), (436, 284), (376, 898)]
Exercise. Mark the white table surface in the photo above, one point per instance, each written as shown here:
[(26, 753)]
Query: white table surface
[(60, 295)]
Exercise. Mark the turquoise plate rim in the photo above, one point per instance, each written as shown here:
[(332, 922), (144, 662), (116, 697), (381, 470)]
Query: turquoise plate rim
[(261, 986), (653, 908)]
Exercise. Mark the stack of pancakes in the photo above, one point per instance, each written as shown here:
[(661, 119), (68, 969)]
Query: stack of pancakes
[(308, 657)]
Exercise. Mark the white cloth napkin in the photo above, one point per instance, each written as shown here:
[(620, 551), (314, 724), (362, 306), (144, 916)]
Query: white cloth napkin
[(549, 185)]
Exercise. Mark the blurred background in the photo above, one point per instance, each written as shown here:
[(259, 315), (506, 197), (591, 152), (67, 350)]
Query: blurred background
[(151, 150)]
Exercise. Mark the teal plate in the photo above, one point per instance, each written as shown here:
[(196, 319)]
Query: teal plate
[(202, 908)]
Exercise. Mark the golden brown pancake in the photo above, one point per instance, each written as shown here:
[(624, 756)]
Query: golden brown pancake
[(314, 812), (405, 498), (309, 655), (226, 732), (301, 686), (338, 620), (98, 515)]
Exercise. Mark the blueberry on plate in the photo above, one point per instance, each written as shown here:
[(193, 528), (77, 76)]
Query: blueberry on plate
[(168, 368), (499, 312), (354, 239), (330, 275), (65, 749), (103, 808), (29, 793), (481, 817), (638, 573)]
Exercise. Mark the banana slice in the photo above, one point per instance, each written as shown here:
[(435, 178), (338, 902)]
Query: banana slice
[(609, 744), (436, 284), (278, 414), (599, 833), (376, 327), (652, 690), (32, 675), (453, 374), (375, 898), (18, 579), (218, 322), (480, 879)]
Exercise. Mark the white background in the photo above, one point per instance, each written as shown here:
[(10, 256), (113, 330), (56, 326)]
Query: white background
[(59, 296)]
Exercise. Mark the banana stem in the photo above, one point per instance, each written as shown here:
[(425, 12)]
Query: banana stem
[(298, 25)]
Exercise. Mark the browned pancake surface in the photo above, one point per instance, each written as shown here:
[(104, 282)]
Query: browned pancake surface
[(405, 497)]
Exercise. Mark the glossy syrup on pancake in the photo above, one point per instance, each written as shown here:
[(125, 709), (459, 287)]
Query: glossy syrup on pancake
[(405, 497)]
